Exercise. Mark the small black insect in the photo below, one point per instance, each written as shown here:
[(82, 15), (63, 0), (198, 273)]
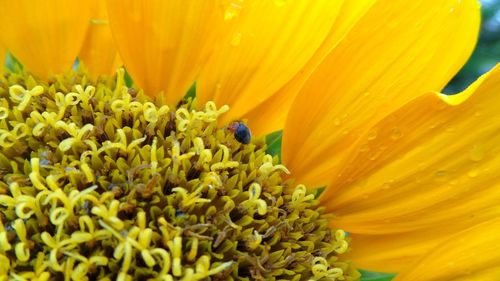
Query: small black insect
[(179, 213), (241, 132)]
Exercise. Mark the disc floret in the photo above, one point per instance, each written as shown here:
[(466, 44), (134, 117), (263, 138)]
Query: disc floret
[(97, 181)]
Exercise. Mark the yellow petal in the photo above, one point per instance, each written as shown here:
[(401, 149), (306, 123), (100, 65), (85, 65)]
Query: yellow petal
[(398, 50), (429, 149), (394, 252), (45, 35), (163, 43), (98, 52), (267, 44), (471, 255), (431, 166), (3, 54), (270, 115)]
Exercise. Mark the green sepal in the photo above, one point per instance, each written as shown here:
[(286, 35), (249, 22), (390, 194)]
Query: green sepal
[(376, 276), (273, 141), (12, 63), (191, 93), (129, 82)]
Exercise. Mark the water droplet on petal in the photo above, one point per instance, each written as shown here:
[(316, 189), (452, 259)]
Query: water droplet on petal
[(476, 153), (441, 175), (396, 133), (236, 39), (372, 135), (336, 121), (233, 10)]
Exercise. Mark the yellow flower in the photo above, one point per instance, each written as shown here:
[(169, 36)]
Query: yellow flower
[(410, 173)]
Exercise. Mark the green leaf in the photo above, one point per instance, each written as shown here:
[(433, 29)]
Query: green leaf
[(376, 276), (273, 141)]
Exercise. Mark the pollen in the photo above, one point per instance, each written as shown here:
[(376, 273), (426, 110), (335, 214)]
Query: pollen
[(99, 182)]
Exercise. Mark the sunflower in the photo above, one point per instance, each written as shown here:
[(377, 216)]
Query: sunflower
[(106, 180)]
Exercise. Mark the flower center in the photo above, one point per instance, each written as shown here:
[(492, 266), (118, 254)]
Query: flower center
[(99, 181)]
